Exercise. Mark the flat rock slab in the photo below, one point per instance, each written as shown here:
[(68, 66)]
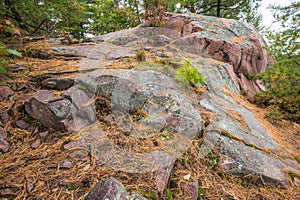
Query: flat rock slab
[(239, 159)]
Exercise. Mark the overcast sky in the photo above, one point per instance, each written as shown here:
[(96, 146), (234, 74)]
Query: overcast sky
[(267, 14)]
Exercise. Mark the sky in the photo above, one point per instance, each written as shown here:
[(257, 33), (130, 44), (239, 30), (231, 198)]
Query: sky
[(267, 14)]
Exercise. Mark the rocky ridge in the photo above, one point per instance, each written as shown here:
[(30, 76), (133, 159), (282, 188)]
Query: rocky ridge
[(144, 103)]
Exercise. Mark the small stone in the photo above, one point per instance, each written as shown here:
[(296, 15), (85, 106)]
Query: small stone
[(21, 162), (7, 193), (36, 144), (78, 154), (5, 92), (44, 134), (4, 145), (86, 167), (187, 177), (193, 189), (4, 116), (15, 86), (59, 84), (109, 118), (22, 124), (74, 144), (4, 78), (29, 186), (66, 164), (18, 68)]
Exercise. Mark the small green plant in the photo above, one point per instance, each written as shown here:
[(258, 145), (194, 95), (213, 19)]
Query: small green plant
[(201, 191), (169, 194), (213, 159), (293, 175), (166, 135), (4, 53), (189, 73), (152, 196), (297, 159), (140, 56), (31, 121)]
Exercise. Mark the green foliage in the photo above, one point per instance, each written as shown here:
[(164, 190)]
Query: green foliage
[(4, 56), (282, 79), (245, 10), (78, 17), (189, 73), (152, 196), (110, 16), (169, 194), (44, 17)]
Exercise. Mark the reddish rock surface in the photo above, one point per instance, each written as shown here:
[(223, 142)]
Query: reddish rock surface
[(48, 109), (5, 92), (226, 40)]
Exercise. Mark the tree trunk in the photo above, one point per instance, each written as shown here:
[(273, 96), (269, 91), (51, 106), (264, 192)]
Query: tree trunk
[(218, 8)]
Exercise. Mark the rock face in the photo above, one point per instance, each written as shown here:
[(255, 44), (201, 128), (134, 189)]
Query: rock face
[(142, 103), (165, 109), (226, 40)]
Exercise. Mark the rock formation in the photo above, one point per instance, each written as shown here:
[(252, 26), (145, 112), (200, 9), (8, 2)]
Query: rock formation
[(226, 52)]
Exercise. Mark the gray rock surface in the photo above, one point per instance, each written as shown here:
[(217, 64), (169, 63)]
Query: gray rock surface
[(243, 160), (129, 91)]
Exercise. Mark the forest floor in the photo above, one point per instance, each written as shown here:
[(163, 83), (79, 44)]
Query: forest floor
[(35, 165)]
